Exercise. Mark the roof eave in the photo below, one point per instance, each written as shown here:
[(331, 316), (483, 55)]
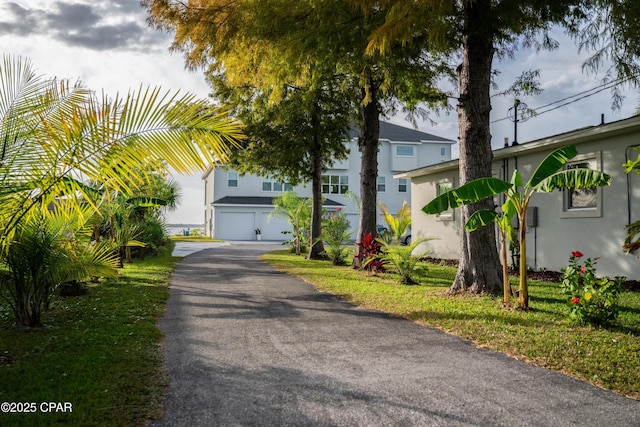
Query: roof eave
[(577, 136)]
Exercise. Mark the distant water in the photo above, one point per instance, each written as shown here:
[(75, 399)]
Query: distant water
[(181, 228)]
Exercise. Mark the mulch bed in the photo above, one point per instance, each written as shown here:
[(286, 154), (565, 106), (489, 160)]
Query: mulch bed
[(542, 275)]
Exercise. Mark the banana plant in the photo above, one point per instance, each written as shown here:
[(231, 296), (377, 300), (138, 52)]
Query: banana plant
[(548, 176), (503, 219)]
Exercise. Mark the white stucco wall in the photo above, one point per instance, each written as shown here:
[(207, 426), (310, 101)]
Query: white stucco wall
[(595, 234)]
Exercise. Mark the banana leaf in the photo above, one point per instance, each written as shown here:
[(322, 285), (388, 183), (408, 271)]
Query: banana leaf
[(552, 164), (573, 178), (470, 192)]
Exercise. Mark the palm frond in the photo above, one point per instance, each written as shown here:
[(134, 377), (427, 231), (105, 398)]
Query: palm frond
[(54, 136)]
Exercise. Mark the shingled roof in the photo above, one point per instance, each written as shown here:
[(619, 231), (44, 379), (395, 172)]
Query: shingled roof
[(391, 132)]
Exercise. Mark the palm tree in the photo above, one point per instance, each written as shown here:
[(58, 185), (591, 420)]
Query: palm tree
[(297, 211), (50, 248), (397, 224), (548, 176), (55, 136), (136, 221)]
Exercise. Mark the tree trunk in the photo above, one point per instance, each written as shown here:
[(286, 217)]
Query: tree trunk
[(479, 268), (368, 171), (316, 247)]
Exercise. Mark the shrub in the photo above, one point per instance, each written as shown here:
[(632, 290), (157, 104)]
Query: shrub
[(593, 301), (368, 250), (293, 242), (335, 233), (44, 255), (403, 261), (153, 235)]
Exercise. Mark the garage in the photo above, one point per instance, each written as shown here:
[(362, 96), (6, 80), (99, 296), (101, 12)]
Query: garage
[(236, 226), (273, 227)]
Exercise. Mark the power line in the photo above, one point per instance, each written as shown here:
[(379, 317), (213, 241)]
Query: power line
[(578, 96)]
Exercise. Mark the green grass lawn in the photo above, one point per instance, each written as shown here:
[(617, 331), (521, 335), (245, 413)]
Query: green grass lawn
[(609, 358), (101, 352)]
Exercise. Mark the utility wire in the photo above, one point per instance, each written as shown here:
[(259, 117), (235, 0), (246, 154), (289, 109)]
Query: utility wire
[(578, 96)]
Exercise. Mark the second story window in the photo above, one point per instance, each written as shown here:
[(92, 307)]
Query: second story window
[(335, 184), (232, 179), (404, 150), (402, 185), (270, 184), (382, 184), (443, 154)]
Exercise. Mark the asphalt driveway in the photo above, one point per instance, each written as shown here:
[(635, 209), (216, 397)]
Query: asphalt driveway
[(249, 346)]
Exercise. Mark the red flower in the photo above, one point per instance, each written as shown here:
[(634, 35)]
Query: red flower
[(582, 269), (575, 300), (577, 254)]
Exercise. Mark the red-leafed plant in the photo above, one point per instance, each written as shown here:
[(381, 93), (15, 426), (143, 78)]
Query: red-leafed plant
[(368, 248)]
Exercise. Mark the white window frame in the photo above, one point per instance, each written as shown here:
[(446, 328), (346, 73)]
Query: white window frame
[(448, 215), (381, 182), (566, 211), (340, 182), (398, 146), (230, 174), (405, 182), (273, 183), (443, 154)]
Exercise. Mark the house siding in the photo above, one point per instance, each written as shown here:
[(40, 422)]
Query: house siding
[(549, 245), (427, 150)]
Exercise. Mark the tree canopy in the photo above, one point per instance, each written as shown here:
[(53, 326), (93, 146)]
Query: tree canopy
[(318, 47), (472, 33)]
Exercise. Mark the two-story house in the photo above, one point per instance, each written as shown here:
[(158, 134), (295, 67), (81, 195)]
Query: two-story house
[(235, 206)]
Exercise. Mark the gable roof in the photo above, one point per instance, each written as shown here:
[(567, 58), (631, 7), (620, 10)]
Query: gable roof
[(259, 201), (573, 137), (396, 133)]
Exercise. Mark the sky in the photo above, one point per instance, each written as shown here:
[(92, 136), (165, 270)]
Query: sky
[(108, 45)]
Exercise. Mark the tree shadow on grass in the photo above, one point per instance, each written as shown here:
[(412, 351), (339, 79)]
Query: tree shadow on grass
[(484, 317)]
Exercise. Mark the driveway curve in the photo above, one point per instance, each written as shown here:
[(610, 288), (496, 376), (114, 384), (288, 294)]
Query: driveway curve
[(247, 345)]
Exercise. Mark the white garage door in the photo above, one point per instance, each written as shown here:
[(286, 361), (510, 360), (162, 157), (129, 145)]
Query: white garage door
[(236, 226), (272, 228)]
